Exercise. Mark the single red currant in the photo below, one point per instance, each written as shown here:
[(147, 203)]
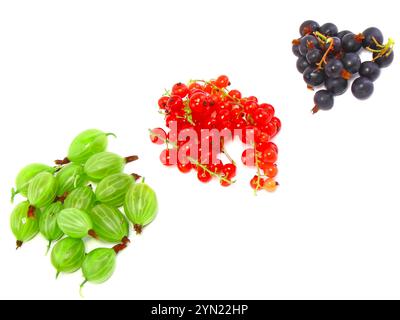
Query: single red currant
[(257, 183), (222, 82), (198, 102), (270, 169), (185, 167), (180, 90), (229, 170), (269, 155), (235, 94), (203, 175), (174, 103), (162, 102), (270, 185)]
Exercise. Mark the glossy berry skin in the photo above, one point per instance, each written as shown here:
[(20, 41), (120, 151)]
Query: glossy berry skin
[(23, 227), (308, 43), (70, 177), (270, 185), (313, 56), (103, 164), (203, 176), (370, 70), (42, 190), (351, 62), (26, 175), (296, 50), (329, 29), (302, 64), (350, 43), (334, 68), (48, 222), (341, 34), (99, 265), (369, 34), (82, 198), (257, 183), (140, 205), (86, 144), (222, 82), (308, 27), (362, 88), (336, 86), (109, 223), (314, 77), (68, 255), (74, 223), (112, 189), (270, 170), (385, 60), (323, 99), (180, 90)]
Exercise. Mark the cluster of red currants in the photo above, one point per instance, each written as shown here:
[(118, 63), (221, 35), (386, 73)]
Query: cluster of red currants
[(202, 117)]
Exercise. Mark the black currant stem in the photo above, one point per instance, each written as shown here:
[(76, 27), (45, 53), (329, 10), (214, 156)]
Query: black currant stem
[(385, 50), (321, 36), (323, 60)]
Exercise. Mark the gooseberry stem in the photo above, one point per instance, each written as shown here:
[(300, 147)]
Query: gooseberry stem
[(131, 159)]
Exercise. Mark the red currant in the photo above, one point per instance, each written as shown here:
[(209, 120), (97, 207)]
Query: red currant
[(203, 175), (235, 94), (222, 82), (229, 170), (198, 102), (180, 90), (257, 183), (174, 103), (185, 167), (162, 102), (269, 155), (270, 185), (270, 170)]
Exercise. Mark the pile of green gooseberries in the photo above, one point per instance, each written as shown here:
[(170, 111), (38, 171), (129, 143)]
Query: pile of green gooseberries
[(83, 196)]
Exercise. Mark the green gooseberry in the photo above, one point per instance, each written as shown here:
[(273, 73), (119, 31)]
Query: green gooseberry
[(112, 189), (48, 226), (69, 178), (75, 223), (42, 190), (24, 228), (68, 255), (109, 224), (25, 176), (140, 205), (99, 265), (82, 198), (104, 164), (86, 144)]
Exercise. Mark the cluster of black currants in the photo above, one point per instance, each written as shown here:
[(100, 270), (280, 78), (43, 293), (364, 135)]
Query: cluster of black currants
[(332, 58)]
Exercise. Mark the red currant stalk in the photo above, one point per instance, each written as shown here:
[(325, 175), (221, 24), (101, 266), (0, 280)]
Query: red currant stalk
[(259, 176), (193, 161)]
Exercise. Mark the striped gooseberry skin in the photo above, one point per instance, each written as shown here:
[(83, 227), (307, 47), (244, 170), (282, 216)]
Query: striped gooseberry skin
[(48, 226), (74, 223), (112, 189), (23, 227), (69, 178), (104, 164), (68, 255), (109, 223), (27, 174), (140, 205), (99, 265), (86, 144), (42, 190), (81, 198)]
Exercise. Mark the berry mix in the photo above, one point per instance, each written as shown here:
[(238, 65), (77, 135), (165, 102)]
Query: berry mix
[(64, 206), (327, 57), (202, 117)]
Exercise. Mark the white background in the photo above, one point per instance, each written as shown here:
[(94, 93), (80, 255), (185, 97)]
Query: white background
[(331, 230)]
